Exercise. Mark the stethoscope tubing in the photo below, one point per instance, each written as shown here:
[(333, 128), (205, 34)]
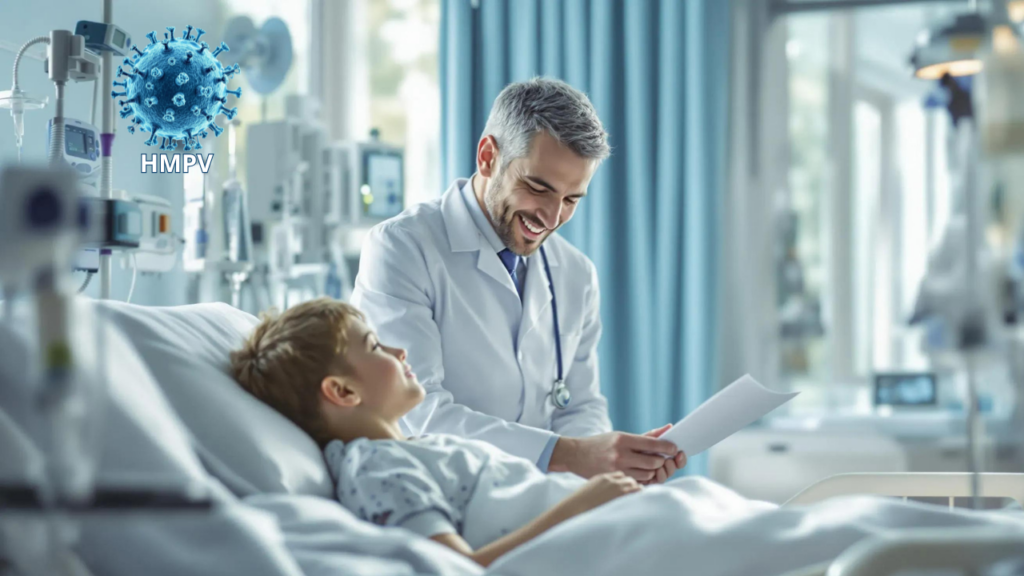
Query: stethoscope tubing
[(559, 385)]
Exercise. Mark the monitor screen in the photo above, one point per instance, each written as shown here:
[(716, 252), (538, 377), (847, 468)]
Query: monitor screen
[(383, 191), (75, 142), (118, 39), (914, 389)]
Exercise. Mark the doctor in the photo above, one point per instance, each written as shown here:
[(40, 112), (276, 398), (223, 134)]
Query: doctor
[(500, 315)]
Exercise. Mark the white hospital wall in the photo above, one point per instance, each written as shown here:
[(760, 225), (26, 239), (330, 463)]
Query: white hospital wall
[(20, 21)]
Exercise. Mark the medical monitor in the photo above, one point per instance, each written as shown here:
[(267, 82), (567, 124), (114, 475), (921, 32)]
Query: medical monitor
[(905, 389)]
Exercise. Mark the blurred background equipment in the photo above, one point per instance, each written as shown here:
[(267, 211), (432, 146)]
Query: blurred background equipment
[(113, 221), (896, 159), (265, 55), (39, 234)]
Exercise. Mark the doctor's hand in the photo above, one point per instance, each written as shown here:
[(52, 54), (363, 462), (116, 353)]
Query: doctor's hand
[(671, 466), (637, 456)]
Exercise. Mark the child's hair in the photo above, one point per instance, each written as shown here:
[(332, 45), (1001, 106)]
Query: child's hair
[(287, 356)]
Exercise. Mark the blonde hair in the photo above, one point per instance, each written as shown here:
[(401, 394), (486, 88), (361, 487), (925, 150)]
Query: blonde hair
[(287, 356)]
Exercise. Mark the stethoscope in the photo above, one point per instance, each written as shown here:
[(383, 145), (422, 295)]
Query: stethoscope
[(560, 394)]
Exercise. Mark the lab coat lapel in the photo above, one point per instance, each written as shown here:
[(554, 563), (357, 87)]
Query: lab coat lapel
[(489, 263), (464, 236), (536, 298)]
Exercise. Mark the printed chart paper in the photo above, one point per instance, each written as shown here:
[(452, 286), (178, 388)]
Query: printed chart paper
[(734, 407)]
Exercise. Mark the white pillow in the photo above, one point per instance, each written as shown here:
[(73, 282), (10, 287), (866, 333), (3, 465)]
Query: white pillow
[(141, 443), (243, 442)]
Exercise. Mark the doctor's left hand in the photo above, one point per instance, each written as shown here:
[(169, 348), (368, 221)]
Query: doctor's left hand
[(671, 466)]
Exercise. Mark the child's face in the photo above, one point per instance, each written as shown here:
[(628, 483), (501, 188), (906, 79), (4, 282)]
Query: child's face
[(386, 383)]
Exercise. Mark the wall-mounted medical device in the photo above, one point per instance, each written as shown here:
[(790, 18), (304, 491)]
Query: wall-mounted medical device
[(365, 182), (158, 248), (274, 156)]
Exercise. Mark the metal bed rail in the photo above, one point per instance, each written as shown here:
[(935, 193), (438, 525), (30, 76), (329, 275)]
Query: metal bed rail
[(906, 485)]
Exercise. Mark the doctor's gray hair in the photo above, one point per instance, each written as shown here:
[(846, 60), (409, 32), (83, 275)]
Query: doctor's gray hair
[(523, 109)]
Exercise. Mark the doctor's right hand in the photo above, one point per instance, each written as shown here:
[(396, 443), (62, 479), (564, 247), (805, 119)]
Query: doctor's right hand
[(637, 456)]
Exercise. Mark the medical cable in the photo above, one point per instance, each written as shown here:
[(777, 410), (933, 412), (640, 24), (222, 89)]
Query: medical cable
[(85, 284), (21, 52), (135, 272), (92, 105)]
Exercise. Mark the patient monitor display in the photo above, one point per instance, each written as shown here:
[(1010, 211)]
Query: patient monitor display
[(382, 184), (364, 182)]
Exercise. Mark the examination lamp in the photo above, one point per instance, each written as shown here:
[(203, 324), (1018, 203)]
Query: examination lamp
[(952, 49), (957, 48)]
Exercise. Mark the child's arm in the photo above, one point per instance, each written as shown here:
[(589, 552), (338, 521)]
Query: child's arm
[(597, 491)]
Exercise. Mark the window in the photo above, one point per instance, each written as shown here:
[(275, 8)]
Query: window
[(866, 194), (405, 99), (253, 107), (802, 274), (396, 92)]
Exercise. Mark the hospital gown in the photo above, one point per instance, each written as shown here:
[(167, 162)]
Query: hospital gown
[(439, 484)]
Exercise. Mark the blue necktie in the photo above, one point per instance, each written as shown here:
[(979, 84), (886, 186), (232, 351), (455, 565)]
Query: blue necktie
[(510, 259)]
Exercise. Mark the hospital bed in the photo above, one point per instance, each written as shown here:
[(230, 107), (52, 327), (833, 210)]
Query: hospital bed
[(172, 416), (922, 549)]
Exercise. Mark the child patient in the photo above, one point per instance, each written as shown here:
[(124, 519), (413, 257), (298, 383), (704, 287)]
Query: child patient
[(319, 365)]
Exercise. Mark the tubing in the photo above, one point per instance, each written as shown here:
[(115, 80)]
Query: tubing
[(21, 52)]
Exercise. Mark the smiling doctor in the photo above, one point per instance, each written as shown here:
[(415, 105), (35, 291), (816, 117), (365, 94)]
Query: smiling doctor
[(499, 314)]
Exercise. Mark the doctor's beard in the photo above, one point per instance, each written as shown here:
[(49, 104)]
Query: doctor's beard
[(497, 201)]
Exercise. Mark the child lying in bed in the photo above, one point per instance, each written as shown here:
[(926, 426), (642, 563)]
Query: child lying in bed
[(323, 368)]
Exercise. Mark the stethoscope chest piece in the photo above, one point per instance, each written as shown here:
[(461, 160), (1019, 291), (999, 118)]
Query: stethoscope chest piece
[(560, 395)]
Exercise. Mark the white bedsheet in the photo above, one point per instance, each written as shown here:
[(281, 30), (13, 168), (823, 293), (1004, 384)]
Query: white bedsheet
[(326, 540), (697, 527)]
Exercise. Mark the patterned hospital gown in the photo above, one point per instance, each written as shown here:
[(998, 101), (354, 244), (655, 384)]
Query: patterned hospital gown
[(439, 484)]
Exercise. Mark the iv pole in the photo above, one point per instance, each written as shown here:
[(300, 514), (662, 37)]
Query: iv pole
[(106, 145)]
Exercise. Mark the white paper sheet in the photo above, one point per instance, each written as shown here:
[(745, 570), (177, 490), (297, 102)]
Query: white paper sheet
[(734, 407)]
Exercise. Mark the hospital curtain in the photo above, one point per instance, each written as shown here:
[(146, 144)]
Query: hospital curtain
[(657, 71)]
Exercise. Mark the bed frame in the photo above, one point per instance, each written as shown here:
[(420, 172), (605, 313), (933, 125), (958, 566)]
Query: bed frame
[(965, 550), (919, 549), (906, 485)]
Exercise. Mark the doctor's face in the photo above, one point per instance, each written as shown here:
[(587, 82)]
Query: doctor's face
[(534, 195)]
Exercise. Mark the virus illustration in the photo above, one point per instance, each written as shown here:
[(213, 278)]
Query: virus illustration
[(174, 88)]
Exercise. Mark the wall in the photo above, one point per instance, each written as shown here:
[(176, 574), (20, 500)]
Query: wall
[(20, 21)]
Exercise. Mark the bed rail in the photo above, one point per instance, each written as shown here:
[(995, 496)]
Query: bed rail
[(966, 550), (930, 549), (913, 485)]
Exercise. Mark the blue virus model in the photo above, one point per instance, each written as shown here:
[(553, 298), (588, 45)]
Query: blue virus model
[(174, 88)]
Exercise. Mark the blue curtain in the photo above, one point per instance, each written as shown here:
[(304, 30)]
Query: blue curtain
[(657, 72)]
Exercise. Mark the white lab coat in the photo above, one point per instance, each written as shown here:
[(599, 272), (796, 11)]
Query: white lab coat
[(431, 283)]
